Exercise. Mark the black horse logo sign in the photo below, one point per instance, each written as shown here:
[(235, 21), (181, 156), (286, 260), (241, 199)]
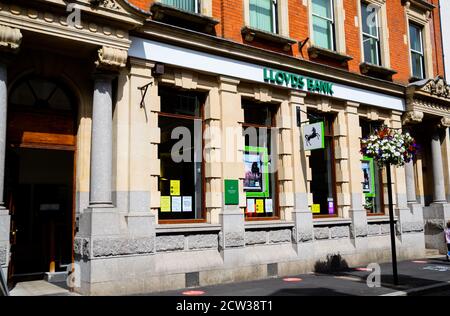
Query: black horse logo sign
[(314, 134)]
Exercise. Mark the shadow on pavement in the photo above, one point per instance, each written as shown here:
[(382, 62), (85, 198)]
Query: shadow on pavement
[(308, 292)]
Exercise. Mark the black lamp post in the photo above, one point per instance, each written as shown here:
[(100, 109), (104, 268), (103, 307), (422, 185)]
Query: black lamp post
[(392, 224)]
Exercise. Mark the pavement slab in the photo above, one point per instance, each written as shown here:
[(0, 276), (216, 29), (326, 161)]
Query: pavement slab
[(415, 276)]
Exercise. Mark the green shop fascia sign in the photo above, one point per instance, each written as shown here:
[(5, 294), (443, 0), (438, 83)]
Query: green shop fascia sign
[(290, 80)]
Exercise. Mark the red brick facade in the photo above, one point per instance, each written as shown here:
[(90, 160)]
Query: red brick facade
[(230, 13)]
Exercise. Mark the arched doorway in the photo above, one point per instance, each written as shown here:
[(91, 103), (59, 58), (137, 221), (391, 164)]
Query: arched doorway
[(40, 168)]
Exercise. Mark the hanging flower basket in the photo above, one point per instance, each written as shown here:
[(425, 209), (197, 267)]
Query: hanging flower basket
[(389, 147)]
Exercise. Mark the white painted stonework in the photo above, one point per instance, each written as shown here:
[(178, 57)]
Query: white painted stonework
[(200, 61)]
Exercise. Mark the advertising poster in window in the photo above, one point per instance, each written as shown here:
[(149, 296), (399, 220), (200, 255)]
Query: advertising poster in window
[(368, 184), (313, 136), (256, 179), (253, 164)]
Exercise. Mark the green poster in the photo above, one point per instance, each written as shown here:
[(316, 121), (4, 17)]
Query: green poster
[(368, 169), (256, 164), (231, 192)]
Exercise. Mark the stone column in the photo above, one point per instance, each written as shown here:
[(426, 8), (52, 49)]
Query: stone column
[(437, 215), (101, 230), (302, 216), (355, 177), (10, 40), (438, 169), (101, 146), (410, 183), (232, 236), (4, 213), (3, 110)]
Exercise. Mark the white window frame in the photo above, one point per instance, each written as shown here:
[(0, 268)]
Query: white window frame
[(338, 15), (280, 16), (275, 23), (332, 20), (200, 7), (422, 53), (377, 37), (382, 29), (421, 18)]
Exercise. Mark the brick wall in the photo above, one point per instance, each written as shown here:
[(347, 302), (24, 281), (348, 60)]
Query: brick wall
[(398, 44), (231, 15)]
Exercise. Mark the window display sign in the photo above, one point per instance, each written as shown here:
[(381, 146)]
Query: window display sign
[(187, 203), (315, 208), (231, 192), (269, 205), (256, 181), (259, 206), (176, 203), (250, 205), (368, 169), (174, 187), (313, 136), (165, 204)]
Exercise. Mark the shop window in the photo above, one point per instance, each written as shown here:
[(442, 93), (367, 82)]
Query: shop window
[(180, 152), (260, 160), (417, 51), (185, 5), (371, 34), (322, 164), (372, 175), (323, 23), (263, 15)]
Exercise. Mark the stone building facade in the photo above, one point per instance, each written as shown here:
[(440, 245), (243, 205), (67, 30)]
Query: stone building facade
[(91, 93)]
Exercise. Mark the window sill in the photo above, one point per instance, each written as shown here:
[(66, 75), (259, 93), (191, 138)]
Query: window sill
[(379, 218), (250, 33), (186, 19), (183, 228), (376, 71), (331, 221), (316, 52), (269, 224), (415, 79)]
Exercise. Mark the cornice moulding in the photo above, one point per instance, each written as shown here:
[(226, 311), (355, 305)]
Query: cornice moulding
[(54, 23), (194, 40)]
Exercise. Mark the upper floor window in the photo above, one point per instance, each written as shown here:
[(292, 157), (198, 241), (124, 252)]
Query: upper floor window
[(185, 5), (263, 15), (323, 23), (416, 50), (371, 34)]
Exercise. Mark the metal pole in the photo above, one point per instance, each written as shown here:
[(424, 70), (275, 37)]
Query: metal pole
[(392, 224), (4, 285)]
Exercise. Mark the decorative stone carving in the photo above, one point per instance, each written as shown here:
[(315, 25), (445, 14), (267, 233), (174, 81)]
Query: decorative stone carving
[(10, 38), (111, 58), (437, 87), (445, 122), (412, 117), (108, 4)]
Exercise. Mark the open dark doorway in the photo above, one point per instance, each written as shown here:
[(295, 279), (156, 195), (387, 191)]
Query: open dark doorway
[(40, 167), (41, 202)]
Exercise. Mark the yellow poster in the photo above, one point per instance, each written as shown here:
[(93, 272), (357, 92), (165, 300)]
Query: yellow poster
[(315, 208), (259, 206), (174, 187), (165, 204)]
